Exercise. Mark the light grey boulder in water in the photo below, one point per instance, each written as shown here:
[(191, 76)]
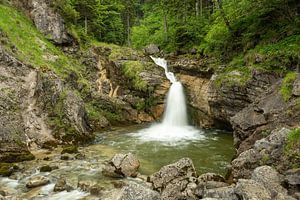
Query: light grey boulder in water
[(37, 181), (122, 165)]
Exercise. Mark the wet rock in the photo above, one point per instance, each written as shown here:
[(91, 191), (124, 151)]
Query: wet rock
[(67, 156), (6, 169), (60, 185), (96, 189), (176, 180), (138, 192), (151, 49), (86, 185), (118, 184), (122, 165), (250, 189), (37, 181), (45, 168)]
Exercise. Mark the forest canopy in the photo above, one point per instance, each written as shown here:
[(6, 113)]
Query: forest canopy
[(211, 27)]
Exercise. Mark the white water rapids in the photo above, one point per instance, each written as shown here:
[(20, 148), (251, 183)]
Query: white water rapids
[(174, 126)]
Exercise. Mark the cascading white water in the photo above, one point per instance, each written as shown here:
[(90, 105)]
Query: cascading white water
[(174, 126), (175, 113)]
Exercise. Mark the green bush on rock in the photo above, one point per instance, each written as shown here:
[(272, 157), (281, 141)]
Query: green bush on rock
[(287, 85), (292, 147)]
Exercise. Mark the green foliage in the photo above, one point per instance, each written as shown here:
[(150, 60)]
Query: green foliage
[(292, 147), (287, 85), (70, 149), (32, 47), (132, 70)]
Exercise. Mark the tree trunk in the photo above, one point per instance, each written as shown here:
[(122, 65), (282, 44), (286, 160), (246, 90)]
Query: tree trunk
[(128, 30), (85, 25), (201, 8), (166, 26), (197, 8)]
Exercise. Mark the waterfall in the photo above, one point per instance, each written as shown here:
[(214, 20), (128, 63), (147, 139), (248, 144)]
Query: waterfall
[(174, 128), (175, 113)]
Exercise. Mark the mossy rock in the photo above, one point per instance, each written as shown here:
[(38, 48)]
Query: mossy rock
[(6, 169), (70, 150), (11, 157), (45, 168)]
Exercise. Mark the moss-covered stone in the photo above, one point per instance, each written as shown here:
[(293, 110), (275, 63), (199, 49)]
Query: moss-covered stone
[(70, 149), (6, 169), (11, 157), (45, 168)]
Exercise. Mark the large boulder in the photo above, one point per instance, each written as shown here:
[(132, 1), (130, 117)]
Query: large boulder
[(270, 179), (122, 165), (48, 21), (177, 180), (251, 190), (151, 49)]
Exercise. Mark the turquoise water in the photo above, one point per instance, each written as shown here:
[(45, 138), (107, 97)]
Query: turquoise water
[(212, 151)]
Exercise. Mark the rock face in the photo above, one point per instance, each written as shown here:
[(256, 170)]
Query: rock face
[(227, 100), (122, 165), (176, 181), (12, 135), (269, 150), (49, 22), (266, 113)]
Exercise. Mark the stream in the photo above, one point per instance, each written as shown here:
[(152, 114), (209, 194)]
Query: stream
[(210, 150)]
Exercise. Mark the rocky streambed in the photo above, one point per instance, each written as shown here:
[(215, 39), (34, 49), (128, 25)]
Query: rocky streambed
[(87, 173), (103, 171)]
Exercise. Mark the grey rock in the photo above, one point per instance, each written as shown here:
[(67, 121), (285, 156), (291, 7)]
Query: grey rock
[(122, 165), (211, 177), (60, 185), (151, 49), (138, 192), (270, 179), (251, 190), (177, 180), (225, 193), (49, 22), (292, 176), (37, 181)]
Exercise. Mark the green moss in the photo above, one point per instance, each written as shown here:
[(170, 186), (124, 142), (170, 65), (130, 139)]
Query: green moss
[(11, 157), (6, 169), (32, 47), (279, 56), (292, 146), (45, 168), (132, 70), (70, 149), (286, 89)]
